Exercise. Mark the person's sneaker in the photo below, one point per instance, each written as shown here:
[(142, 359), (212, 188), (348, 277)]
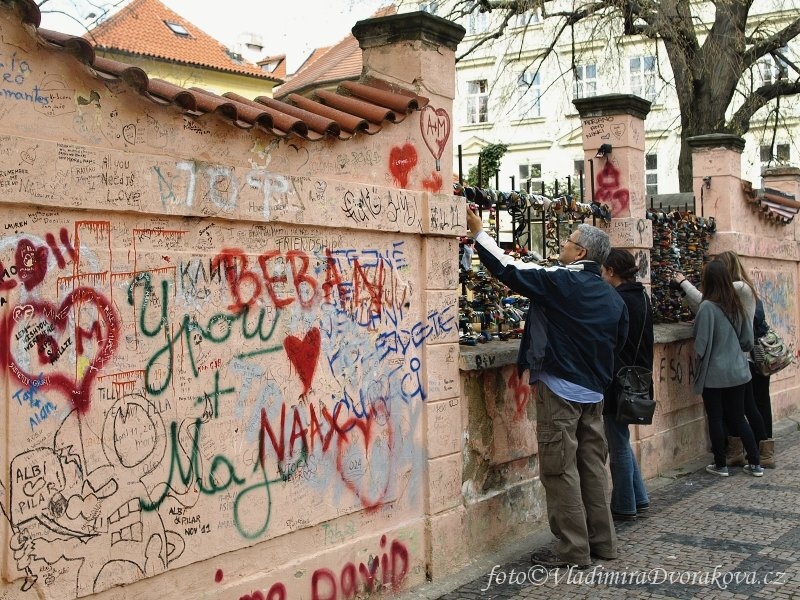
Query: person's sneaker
[(754, 470), (548, 558), (721, 471)]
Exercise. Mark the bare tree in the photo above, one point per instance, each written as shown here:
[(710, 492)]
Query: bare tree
[(713, 50), (87, 14)]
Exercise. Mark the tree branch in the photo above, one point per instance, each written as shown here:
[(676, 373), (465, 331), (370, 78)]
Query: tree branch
[(772, 43), (489, 36), (740, 121)]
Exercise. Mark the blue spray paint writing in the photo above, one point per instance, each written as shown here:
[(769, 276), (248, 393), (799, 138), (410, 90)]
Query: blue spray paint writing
[(34, 97), (438, 324), (14, 71), (41, 408)]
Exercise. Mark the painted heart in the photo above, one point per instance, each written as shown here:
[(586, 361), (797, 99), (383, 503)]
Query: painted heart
[(22, 313), (320, 187), (302, 155), (303, 355), (435, 126), (31, 263), (84, 328), (402, 159), (618, 129), (31, 487), (364, 457)]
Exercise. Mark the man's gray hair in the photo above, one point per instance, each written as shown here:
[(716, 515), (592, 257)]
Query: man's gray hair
[(595, 241)]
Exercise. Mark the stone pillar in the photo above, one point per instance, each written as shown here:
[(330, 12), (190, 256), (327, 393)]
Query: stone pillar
[(417, 51), (717, 174), (613, 149)]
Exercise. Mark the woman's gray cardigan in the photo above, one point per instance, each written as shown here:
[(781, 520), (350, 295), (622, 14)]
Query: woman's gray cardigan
[(720, 346)]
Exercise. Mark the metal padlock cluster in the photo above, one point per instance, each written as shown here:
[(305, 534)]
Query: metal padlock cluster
[(680, 243)]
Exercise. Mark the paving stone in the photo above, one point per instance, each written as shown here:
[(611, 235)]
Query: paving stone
[(706, 538)]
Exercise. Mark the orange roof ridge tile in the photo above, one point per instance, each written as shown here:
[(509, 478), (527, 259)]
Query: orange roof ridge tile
[(356, 107)]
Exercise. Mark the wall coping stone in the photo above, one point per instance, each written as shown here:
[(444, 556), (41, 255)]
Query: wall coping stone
[(612, 104), (717, 140), (493, 355), (405, 27)]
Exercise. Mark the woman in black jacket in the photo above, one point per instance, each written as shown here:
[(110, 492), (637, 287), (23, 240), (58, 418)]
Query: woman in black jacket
[(629, 496)]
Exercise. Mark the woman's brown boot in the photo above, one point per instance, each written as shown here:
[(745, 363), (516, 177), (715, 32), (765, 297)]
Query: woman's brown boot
[(734, 455), (766, 448)]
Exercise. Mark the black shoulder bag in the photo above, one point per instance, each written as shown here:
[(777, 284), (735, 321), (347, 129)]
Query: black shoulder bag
[(634, 404)]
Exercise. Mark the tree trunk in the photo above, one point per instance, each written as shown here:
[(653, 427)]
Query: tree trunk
[(685, 177)]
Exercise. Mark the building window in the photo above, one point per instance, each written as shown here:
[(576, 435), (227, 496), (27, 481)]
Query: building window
[(477, 101), (585, 81), (477, 21), (643, 77), (773, 70), (651, 174), (531, 174), (523, 19), (429, 7), (529, 96), (781, 156), (177, 28)]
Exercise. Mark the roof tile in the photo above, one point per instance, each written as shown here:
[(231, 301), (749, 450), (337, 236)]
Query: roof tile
[(140, 28), (341, 61), (362, 106)]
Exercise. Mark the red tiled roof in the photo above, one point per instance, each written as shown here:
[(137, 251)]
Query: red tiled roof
[(356, 107), (341, 62), (140, 28), (312, 58), (280, 65), (773, 205)]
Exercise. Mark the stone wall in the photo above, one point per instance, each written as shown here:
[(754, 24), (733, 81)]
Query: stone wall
[(221, 348)]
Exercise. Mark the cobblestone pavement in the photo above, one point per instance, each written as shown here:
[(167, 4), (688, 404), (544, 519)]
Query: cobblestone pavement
[(706, 537)]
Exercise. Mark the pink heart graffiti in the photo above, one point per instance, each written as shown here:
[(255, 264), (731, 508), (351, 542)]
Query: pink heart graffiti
[(435, 126)]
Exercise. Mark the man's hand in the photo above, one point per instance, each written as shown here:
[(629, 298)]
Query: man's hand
[(474, 222)]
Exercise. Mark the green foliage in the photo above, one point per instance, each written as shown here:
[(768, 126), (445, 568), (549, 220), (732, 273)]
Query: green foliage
[(490, 156)]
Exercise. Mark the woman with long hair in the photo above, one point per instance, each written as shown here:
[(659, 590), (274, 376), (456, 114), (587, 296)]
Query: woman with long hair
[(629, 495), (757, 403), (722, 334), (756, 406)]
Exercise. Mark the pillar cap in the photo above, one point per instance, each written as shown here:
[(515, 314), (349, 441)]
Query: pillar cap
[(717, 140), (381, 31), (781, 172), (612, 104)]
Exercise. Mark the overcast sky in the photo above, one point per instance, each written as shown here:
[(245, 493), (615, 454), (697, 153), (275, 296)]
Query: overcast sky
[(291, 27)]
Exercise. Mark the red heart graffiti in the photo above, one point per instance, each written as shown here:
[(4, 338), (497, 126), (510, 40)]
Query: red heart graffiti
[(401, 161), (367, 470), (31, 263), (303, 355), (47, 344), (435, 127)]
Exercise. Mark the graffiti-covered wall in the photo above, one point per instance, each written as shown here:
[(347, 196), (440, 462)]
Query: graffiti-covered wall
[(218, 344)]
